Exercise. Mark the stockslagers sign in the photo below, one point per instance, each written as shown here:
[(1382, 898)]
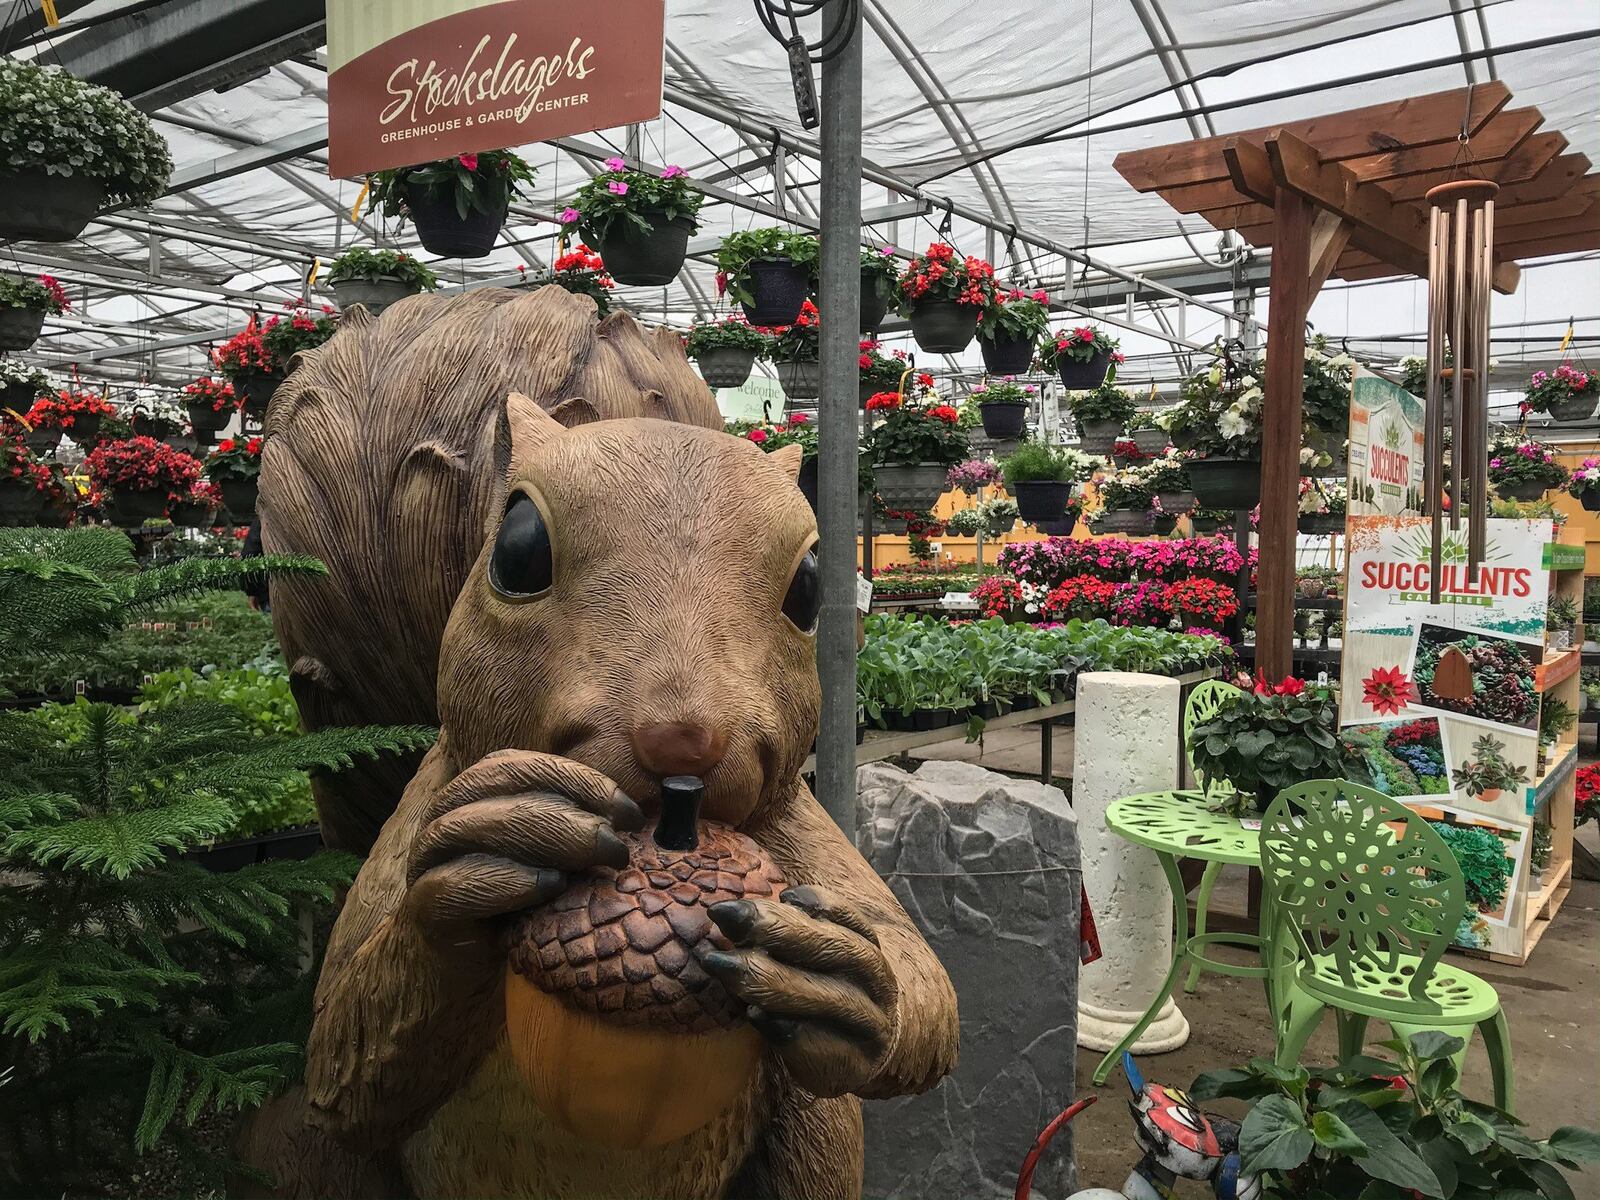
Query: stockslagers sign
[(410, 81)]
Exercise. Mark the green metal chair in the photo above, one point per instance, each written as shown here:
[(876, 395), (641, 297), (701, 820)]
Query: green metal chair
[(1361, 898), (1204, 701)]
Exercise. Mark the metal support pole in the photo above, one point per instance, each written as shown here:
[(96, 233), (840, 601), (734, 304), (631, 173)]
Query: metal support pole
[(836, 466)]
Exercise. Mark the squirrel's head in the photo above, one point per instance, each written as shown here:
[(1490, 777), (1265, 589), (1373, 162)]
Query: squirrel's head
[(646, 603)]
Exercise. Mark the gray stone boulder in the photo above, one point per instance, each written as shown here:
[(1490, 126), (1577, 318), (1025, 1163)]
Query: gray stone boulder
[(988, 868)]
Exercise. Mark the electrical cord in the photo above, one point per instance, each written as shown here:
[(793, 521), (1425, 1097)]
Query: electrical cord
[(774, 13)]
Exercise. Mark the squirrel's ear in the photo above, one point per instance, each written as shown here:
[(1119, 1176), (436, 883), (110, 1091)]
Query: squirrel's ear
[(528, 427), (789, 459)]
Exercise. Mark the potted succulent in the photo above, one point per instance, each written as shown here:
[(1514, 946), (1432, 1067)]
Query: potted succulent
[(196, 508), (726, 351), (1228, 473), (640, 222), (235, 467), (768, 271), (1487, 772), (1566, 394), (1322, 507), (138, 476), (1041, 478), (377, 278), (1003, 407), (1127, 500), (879, 372), (1101, 414), (583, 273), (911, 452), (23, 482), (69, 149), (78, 414), (944, 296), (1083, 356), (794, 354), (879, 276), (24, 304), (211, 404), (1167, 477), (1009, 327), (1523, 469), (972, 475), (1266, 737), (1584, 486), (1149, 437), (457, 205)]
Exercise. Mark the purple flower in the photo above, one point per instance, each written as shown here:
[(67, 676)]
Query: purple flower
[(569, 216), (672, 172), (615, 164), (617, 188), (1494, 462)]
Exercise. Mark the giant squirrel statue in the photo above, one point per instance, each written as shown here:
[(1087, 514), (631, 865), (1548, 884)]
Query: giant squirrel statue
[(539, 538)]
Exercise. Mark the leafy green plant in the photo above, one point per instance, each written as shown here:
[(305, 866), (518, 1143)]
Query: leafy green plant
[(1268, 737), (619, 202), (1562, 613), (732, 333), (1555, 718), (371, 265), (1541, 847), (1105, 403), (1482, 858), (485, 182), (1488, 770), (1126, 490), (43, 294), (1034, 460), (1517, 462), (1376, 1129), (1078, 345), (1015, 316), (738, 250), (913, 434)]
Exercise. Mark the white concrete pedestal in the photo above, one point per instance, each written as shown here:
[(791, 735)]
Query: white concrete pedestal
[(1126, 743)]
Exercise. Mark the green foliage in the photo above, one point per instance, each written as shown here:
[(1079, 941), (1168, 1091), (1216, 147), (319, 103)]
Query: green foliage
[(369, 265), (1267, 740), (1555, 718), (629, 204), (1033, 460), (1483, 861), (740, 249), (485, 182), (733, 333), (1013, 316), (911, 434), (1373, 1129), (1105, 403), (1562, 613)]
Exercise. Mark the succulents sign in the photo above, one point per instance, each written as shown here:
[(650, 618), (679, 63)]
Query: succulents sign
[(412, 82), (1386, 431)]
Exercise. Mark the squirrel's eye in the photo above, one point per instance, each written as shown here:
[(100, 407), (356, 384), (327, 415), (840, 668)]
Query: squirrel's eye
[(521, 564), (804, 600)]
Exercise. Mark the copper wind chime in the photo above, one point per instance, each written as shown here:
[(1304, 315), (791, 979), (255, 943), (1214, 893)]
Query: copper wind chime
[(1460, 277)]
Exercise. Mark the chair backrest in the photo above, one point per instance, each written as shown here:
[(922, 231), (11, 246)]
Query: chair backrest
[(1351, 873), (1204, 700)]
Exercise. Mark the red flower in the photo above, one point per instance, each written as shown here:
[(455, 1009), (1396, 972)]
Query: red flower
[(1387, 690), (469, 161), (757, 436), (1286, 687), (883, 400), (865, 362), (225, 445), (925, 380), (943, 412)]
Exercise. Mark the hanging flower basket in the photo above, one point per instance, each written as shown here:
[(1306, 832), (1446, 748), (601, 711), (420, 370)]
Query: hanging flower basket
[(874, 299), (206, 421), (1150, 441), (1099, 437), (1205, 524), (20, 502), (1567, 393), (913, 487), (1041, 500), (445, 232), (1229, 483), (778, 288), (18, 397), (650, 259), (1575, 408), (43, 440), (456, 204), (374, 295), (1590, 501), (239, 497), (1524, 490), (256, 388), (191, 514), (640, 223), (800, 380), (1083, 376), (1006, 355), (131, 509), (945, 296), (1321, 523), (1164, 524), (1004, 420), (865, 391), (20, 327), (943, 326), (235, 468), (86, 428), (38, 207), (1125, 520), (725, 366), (376, 279), (1061, 527), (1176, 503)]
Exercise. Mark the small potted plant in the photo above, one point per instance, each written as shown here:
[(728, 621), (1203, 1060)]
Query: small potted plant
[(24, 304), (911, 452), (1322, 506), (1167, 477), (944, 296), (377, 278), (235, 467), (1523, 469), (1210, 520), (879, 372), (1101, 414), (457, 205), (69, 149), (196, 508), (583, 273), (1584, 486), (1487, 773), (1127, 500), (641, 223), (1566, 394), (77, 413), (1200, 603), (138, 476), (1009, 327), (1083, 356), (1003, 407), (211, 404), (768, 271), (794, 351), (1561, 620), (1267, 737), (972, 475), (726, 350), (1227, 474), (1041, 477), (23, 480), (249, 367), (1148, 437), (880, 275)]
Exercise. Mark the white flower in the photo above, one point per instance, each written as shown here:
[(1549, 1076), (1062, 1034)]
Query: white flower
[(1233, 423)]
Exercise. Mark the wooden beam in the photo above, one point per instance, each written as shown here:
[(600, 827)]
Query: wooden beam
[(1330, 234), (1572, 243), (1249, 170), (1289, 298), (1436, 117), (1502, 136)]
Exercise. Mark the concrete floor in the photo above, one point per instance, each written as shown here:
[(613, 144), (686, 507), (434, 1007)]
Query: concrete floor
[(1552, 1004)]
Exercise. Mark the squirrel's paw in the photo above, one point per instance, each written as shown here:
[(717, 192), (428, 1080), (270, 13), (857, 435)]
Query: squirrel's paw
[(819, 988), (501, 837)]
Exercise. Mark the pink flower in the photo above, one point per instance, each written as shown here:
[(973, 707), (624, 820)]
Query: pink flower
[(617, 188), (569, 216), (757, 436), (615, 164), (673, 172), (469, 161), (1041, 296)]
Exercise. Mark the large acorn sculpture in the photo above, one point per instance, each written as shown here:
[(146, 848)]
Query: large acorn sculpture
[(605, 994)]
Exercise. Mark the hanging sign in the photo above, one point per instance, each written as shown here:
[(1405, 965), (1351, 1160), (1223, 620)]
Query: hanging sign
[(428, 79), (1386, 435)]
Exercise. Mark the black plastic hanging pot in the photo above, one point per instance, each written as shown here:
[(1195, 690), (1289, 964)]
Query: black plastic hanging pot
[(1083, 376), (1574, 408), (206, 420), (1041, 499), (239, 495), (255, 388), (1126, 520), (20, 502), (646, 260), (1099, 437), (20, 327), (132, 509), (1527, 490), (778, 288), (1176, 503), (1230, 483), (806, 481), (1003, 420), (1062, 527), (187, 514), (725, 366), (18, 397), (800, 380), (43, 440), (874, 303), (943, 326), (85, 428), (1320, 523), (36, 207), (1006, 355), (1590, 501), (445, 232)]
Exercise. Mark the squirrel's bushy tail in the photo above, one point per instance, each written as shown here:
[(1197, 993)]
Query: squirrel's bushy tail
[(382, 460)]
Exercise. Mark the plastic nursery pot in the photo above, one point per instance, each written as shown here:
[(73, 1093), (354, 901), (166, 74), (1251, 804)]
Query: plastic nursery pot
[(36, 207), (445, 232), (1041, 499), (1205, 524), (1083, 376), (943, 326), (374, 295), (1321, 523), (1526, 490), (806, 481), (646, 260), (42, 441), (188, 515), (18, 397), (206, 421), (132, 509), (1150, 441), (20, 502), (1003, 419), (1061, 527), (910, 487), (239, 495), (20, 327), (1175, 502), (779, 289), (1164, 523), (800, 380), (1125, 520), (1230, 483), (1574, 408), (1590, 501), (725, 366), (256, 388), (86, 427), (1099, 437), (1006, 356), (874, 304)]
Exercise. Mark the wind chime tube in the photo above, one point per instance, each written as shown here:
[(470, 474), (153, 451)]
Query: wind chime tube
[(1460, 448), (1433, 426), (1477, 402), (1478, 544)]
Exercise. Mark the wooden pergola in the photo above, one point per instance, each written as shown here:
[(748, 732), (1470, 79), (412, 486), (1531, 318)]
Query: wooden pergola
[(1344, 195)]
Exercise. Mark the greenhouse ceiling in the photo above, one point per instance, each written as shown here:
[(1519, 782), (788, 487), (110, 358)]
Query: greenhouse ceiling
[(1001, 133)]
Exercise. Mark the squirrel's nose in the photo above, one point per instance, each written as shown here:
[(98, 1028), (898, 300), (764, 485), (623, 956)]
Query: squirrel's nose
[(678, 748)]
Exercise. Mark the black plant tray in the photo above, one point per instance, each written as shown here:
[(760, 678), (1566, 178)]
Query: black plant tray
[(244, 852)]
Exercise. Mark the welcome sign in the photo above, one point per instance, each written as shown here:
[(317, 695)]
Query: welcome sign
[(410, 81)]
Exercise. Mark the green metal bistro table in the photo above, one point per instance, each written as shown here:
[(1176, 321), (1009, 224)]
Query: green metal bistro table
[(1178, 824)]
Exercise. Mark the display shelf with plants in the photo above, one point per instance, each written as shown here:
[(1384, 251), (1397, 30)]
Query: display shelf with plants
[(641, 222), (376, 278), (457, 205)]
